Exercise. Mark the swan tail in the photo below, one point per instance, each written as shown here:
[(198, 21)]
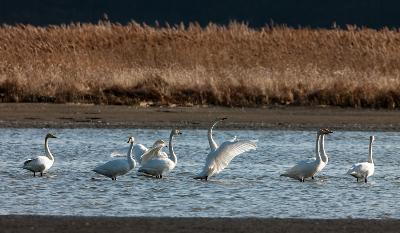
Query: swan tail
[(147, 172), (27, 162), (351, 171), (353, 174), (96, 170)]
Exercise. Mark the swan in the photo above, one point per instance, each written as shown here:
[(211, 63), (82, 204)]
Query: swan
[(324, 156), (158, 166), (118, 167), (41, 163), (309, 167), (139, 149), (219, 157), (365, 169)]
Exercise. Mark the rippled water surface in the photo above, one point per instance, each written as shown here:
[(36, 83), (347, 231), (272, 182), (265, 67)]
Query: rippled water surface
[(250, 186)]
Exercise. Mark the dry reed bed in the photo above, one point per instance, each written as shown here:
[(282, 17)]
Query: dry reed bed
[(230, 65)]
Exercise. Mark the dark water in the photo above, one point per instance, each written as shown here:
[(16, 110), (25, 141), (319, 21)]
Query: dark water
[(250, 186)]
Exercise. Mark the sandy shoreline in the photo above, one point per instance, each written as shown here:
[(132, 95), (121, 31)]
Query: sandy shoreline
[(146, 224), (31, 115)]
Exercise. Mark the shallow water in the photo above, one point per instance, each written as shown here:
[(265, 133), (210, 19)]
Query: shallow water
[(250, 186)]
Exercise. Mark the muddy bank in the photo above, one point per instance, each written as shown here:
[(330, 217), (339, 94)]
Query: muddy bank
[(22, 115), (43, 224)]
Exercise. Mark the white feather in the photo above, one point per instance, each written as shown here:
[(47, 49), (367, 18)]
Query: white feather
[(41, 163), (362, 170), (220, 158), (117, 167), (365, 169), (158, 165)]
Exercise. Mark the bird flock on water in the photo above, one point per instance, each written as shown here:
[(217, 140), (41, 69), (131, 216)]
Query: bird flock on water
[(154, 162)]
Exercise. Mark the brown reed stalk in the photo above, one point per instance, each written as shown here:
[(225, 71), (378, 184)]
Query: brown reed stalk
[(232, 65)]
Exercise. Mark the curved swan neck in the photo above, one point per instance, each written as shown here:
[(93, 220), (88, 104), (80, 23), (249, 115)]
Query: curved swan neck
[(46, 148), (317, 155), (213, 144), (324, 157), (370, 160), (171, 149), (129, 156)]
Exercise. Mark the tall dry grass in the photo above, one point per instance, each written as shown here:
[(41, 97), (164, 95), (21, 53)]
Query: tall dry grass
[(230, 65)]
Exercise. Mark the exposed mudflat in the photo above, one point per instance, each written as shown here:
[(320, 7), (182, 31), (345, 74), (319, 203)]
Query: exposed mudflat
[(44, 224), (23, 115)]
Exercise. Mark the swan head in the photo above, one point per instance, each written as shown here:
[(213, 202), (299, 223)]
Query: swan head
[(326, 131), (176, 132), (159, 143), (131, 140), (222, 118), (372, 139), (49, 135)]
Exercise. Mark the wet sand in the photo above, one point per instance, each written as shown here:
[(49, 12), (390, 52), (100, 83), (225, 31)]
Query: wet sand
[(43, 224), (110, 116)]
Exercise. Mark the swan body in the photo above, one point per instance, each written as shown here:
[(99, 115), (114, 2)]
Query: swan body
[(220, 157), (309, 167), (117, 167), (41, 163), (365, 169), (155, 165)]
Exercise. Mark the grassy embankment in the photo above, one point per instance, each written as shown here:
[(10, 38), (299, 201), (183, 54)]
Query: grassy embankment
[(229, 66)]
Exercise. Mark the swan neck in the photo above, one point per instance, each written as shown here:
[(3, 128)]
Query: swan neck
[(171, 150), (317, 152), (47, 150), (324, 157), (129, 157), (370, 160), (213, 144)]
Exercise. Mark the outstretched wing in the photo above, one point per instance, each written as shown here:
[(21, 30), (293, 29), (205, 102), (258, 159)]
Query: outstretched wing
[(150, 154), (219, 159)]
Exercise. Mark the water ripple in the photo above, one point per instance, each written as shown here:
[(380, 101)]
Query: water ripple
[(249, 187)]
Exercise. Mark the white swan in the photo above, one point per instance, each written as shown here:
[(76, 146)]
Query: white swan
[(365, 169), (219, 157), (158, 166), (118, 167), (139, 149), (324, 156), (41, 163), (309, 167)]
